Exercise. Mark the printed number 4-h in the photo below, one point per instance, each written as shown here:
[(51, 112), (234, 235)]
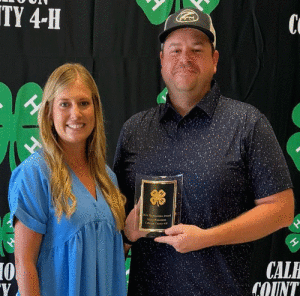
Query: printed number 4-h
[(21, 126), (53, 19)]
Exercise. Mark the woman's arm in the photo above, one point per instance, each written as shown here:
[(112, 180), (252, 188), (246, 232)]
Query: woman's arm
[(27, 247)]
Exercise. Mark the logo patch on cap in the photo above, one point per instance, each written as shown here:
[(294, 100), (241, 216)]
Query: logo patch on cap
[(187, 16)]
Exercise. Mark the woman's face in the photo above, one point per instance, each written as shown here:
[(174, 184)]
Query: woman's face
[(73, 114)]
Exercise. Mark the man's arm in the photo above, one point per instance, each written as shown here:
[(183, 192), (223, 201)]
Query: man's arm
[(269, 215)]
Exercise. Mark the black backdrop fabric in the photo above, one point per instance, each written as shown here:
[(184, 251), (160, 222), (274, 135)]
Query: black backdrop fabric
[(258, 43)]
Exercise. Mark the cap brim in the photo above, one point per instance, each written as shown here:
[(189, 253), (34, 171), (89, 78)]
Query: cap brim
[(162, 36)]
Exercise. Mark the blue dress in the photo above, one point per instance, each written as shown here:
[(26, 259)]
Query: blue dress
[(82, 255)]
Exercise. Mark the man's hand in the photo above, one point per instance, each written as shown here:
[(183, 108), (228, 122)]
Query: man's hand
[(185, 238)]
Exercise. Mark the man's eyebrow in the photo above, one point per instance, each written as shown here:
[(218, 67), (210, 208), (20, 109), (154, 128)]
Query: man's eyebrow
[(174, 44), (200, 42)]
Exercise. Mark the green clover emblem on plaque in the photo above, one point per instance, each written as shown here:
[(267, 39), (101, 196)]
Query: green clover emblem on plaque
[(21, 126), (157, 11), (293, 239), (7, 241), (293, 144)]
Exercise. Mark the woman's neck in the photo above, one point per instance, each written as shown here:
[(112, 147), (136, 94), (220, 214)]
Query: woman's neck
[(75, 156)]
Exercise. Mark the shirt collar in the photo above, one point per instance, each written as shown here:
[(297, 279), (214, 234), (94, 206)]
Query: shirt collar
[(208, 103)]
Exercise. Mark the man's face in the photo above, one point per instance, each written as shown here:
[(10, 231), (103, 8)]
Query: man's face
[(187, 61)]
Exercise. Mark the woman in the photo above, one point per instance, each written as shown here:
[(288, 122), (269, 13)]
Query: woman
[(68, 212)]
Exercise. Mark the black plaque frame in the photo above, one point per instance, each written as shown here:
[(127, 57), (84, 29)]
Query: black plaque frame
[(159, 199)]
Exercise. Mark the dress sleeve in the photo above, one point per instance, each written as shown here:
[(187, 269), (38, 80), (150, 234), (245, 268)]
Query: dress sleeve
[(267, 166), (28, 197)]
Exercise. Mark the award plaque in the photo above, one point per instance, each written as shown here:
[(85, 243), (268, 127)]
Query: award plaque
[(159, 202)]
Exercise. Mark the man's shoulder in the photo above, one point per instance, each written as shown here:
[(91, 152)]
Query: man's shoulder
[(144, 117), (238, 108)]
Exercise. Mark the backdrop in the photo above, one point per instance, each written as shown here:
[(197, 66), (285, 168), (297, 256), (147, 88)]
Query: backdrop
[(117, 41)]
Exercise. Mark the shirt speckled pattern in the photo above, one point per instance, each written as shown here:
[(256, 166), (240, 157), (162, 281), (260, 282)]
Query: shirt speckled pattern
[(229, 156)]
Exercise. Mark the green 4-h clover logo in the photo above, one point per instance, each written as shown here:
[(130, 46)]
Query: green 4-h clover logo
[(157, 11), (293, 144), (19, 127), (6, 235), (293, 240)]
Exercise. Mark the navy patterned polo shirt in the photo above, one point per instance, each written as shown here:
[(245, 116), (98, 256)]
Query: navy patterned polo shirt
[(229, 156)]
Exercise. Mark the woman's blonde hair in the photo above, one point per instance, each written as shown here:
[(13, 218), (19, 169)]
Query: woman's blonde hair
[(60, 178)]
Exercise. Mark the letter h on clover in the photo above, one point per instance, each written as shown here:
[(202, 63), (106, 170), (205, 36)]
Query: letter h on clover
[(19, 127)]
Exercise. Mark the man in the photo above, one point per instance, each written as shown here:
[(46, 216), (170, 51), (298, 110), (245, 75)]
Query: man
[(236, 184)]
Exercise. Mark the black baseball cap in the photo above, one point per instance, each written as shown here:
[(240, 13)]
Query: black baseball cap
[(189, 18)]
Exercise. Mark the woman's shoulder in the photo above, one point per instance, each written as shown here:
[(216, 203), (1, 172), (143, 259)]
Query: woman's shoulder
[(28, 193), (31, 166)]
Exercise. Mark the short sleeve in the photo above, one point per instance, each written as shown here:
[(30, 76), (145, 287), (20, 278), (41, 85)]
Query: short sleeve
[(28, 195), (268, 169)]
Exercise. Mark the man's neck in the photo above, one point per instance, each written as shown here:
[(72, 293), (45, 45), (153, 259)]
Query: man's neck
[(184, 102)]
